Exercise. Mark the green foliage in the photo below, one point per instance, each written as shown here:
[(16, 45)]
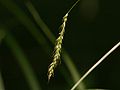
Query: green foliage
[(23, 17)]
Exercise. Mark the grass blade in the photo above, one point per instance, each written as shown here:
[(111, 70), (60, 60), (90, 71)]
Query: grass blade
[(23, 62), (95, 65)]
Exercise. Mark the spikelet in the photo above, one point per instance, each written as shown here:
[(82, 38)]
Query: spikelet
[(57, 49), (58, 45)]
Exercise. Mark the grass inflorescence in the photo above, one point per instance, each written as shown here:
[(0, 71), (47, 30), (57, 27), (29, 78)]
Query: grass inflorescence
[(58, 45), (57, 49)]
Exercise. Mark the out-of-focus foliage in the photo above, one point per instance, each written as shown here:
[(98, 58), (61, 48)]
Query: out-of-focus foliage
[(92, 29)]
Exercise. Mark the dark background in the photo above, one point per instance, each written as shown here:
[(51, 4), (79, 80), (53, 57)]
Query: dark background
[(93, 28)]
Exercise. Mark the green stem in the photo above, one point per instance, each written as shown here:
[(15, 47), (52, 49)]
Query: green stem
[(23, 62)]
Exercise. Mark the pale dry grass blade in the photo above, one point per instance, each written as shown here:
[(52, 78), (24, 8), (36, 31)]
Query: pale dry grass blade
[(95, 65)]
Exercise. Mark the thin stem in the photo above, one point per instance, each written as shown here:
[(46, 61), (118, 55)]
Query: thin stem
[(95, 65), (72, 6)]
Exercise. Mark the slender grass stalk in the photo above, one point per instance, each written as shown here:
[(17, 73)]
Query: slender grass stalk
[(23, 62), (95, 65), (66, 57), (72, 6), (1, 82), (73, 71)]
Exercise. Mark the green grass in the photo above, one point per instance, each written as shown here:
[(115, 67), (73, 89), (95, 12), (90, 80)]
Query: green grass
[(41, 34)]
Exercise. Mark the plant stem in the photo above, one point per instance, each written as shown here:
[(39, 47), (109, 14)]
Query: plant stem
[(23, 62), (73, 6), (95, 65)]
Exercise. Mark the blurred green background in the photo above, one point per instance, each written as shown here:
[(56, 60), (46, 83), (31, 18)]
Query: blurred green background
[(28, 29)]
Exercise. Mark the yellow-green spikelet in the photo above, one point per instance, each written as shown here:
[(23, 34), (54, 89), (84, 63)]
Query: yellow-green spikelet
[(57, 49)]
